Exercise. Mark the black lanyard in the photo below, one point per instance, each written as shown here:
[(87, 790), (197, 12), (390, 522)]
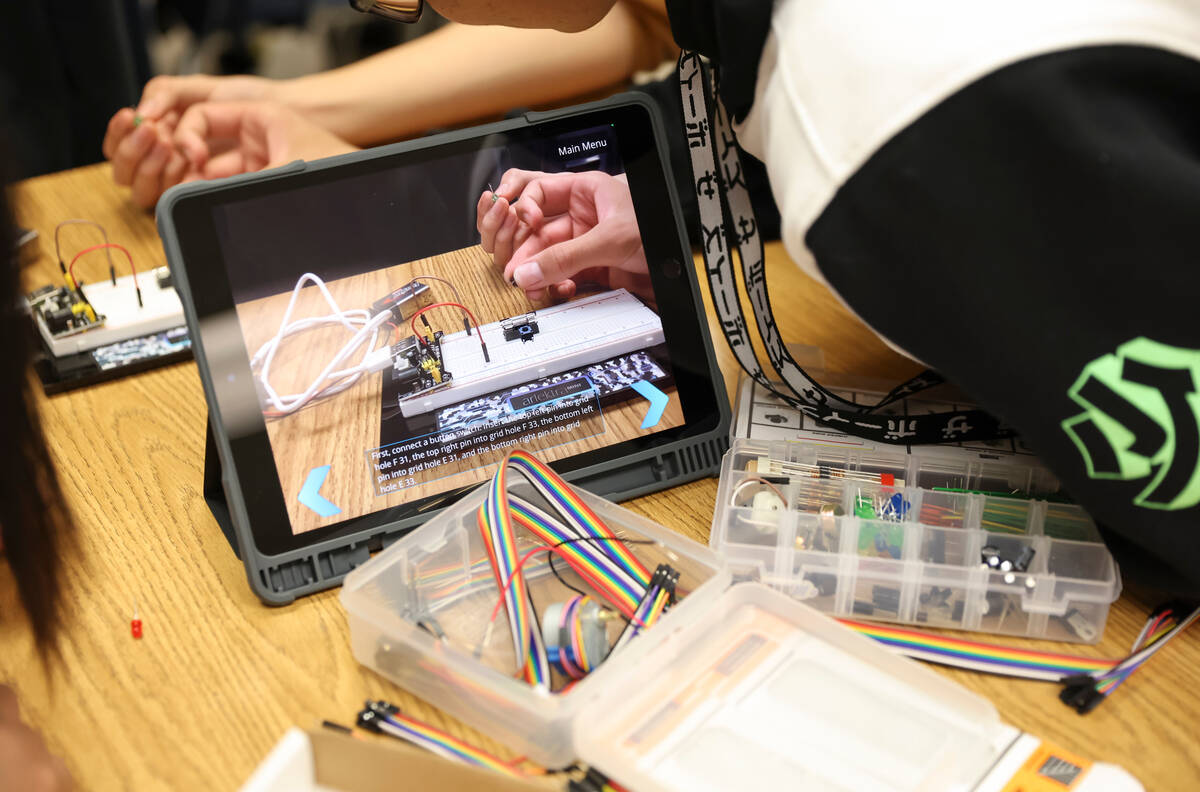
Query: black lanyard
[(718, 187)]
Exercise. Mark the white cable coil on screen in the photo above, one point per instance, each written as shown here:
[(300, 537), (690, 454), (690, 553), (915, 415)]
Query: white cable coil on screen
[(331, 380)]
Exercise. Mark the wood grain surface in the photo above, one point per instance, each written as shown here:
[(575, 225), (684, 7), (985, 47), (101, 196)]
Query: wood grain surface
[(339, 431), (218, 677)]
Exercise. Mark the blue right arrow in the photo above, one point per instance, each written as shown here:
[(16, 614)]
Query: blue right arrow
[(658, 402), (310, 493)]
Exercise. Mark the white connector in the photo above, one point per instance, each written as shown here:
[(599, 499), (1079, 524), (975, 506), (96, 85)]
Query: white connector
[(378, 360)]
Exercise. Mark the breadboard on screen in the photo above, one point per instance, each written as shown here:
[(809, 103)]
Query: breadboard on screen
[(571, 335)]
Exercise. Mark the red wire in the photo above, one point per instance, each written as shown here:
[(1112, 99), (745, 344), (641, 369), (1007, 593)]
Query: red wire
[(443, 305), (132, 269), (521, 563)]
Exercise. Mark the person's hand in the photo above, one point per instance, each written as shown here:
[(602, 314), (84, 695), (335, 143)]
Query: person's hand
[(219, 139), (25, 764), (563, 229), (138, 141)]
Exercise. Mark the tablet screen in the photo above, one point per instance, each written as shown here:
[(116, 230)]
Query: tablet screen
[(398, 341)]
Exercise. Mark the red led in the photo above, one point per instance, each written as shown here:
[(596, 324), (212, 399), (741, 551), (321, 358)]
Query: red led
[(887, 479), (135, 628)]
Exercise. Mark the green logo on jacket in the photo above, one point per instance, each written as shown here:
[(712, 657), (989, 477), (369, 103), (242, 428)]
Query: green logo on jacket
[(1141, 420)]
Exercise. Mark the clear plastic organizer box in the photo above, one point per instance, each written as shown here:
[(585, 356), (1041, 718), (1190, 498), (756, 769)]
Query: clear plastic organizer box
[(915, 539)]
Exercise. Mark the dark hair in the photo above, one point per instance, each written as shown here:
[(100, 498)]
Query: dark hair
[(34, 522)]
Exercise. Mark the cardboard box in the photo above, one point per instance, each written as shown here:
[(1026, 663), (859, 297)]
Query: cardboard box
[(324, 761)]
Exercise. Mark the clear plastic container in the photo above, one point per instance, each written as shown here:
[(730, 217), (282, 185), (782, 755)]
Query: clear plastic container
[(419, 613), (734, 682), (893, 537)]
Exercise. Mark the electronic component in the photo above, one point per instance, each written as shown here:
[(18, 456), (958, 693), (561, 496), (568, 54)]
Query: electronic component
[(571, 335), (1079, 624), (404, 302), (118, 316), (822, 470), (523, 327), (135, 624), (62, 311), (417, 365), (164, 279), (576, 635)]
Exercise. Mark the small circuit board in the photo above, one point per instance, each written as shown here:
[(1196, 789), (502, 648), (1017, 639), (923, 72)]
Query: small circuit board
[(523, 327), (65, 312), (417, 365)]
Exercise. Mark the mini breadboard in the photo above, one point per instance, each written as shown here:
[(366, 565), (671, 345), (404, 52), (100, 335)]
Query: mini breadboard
[(556, 339), (118, 316)]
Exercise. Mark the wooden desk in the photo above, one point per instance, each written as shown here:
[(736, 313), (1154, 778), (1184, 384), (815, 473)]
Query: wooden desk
[(218, 677)]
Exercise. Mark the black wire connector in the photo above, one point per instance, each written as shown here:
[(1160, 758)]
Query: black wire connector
[(1080, 694)]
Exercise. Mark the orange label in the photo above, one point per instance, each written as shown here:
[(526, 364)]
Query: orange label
[(1048, 769)]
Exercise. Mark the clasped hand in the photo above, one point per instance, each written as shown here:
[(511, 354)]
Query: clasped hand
[(562, 230)]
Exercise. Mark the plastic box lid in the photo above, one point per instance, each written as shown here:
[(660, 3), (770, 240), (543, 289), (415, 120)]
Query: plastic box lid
[(732, 680)]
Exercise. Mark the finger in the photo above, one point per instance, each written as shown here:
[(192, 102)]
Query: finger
[(546, 197), (534, 241), (131, 152), (563, 291), (539, 295), (561, 261), (169, 122), (514, 180), (482, 208), (120, 125), (147, 179), (506, 234), (163, 94), (228, 163), (175, 168), (9, 711), (491, 223), (202, 123)]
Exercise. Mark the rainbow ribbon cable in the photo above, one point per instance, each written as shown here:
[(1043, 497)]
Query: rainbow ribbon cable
[(496, 528), (1085, 692), (577, 534), (572, 658), (620, 584), (384, 718), (991, 658), (580, 520), (1087, 680)]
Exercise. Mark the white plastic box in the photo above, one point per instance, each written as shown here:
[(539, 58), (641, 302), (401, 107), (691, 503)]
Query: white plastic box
[(733, 684), (921, 560)]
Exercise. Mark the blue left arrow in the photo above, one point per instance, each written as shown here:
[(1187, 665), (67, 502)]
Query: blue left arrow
[(310, 493), (658, 402)]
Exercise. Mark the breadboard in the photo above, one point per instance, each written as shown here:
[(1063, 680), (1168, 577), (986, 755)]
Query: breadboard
[(124, 319), (571, 335)]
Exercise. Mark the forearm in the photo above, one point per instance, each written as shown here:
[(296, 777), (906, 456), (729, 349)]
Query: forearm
[(460, 73)]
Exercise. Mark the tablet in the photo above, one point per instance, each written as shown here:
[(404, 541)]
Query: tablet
[(365, 360)]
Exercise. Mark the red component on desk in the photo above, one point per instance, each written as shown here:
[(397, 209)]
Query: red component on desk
[(135, 628)]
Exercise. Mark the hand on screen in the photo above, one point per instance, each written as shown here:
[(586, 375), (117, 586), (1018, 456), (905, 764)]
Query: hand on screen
[(219, 139), (563, 229), (138, 141)]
